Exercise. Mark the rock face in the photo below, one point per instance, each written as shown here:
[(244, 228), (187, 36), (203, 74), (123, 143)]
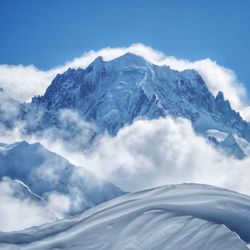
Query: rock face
[(174, 217), (113, 93)]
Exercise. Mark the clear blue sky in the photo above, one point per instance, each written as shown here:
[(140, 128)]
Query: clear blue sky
[(46, 33)]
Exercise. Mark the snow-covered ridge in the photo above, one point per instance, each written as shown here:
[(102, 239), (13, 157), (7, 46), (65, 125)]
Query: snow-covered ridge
[(49, 175), (187, 216)]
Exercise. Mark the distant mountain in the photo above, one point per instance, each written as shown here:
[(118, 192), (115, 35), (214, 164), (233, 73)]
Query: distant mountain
[(47, 174), (232, 144), (174, 217), (113, 93)]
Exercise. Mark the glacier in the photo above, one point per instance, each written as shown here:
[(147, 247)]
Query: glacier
[(186, 216)]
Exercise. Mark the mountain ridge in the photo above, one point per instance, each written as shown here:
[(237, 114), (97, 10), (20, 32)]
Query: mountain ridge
[(47, 174), (113, 93)]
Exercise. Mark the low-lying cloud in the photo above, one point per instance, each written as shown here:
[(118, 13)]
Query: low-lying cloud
[(24, 82), (150, 153), (145, 154), (19, 210)]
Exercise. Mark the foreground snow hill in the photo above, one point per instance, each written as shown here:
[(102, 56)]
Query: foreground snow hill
[(187, 216)]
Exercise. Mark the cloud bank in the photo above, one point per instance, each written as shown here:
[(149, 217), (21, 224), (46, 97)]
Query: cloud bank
[(151, 153), (23, 82)]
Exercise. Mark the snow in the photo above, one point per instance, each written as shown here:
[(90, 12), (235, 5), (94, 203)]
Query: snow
[(50, 176), (218, 135), (187, 216), (111, 94), (230, 143)]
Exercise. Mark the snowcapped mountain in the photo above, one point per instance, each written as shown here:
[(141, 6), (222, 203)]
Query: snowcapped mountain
[(110, 94), (50, 176), (232, 144), (179, 217)]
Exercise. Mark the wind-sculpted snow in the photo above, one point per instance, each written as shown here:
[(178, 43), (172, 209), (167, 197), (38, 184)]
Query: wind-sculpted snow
[(178, 217)]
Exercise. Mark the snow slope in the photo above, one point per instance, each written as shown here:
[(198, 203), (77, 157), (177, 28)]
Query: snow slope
[(178, 217), (53, 178)]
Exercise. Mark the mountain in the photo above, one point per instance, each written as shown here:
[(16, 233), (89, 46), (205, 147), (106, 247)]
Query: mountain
[(53, 178), (80, 104), (187, 216), (234, 145), (111, 94)]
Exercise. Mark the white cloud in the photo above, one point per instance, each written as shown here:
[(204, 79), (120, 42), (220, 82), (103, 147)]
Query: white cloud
[(158, 152), (23, 82), (245, 113), (59, 203)]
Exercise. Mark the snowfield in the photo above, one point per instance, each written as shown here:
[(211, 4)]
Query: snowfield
[(186, 216)]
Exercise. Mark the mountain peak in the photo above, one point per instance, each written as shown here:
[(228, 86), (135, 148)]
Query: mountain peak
[(220, 96), (98, 60), (130, 58)]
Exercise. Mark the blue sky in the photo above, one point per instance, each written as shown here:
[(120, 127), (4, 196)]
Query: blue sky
[(47, 33)]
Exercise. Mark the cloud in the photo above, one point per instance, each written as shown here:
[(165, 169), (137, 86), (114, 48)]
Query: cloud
[(59, 203), (19, 209), (245, 113), (23, 82), (159, 152)]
